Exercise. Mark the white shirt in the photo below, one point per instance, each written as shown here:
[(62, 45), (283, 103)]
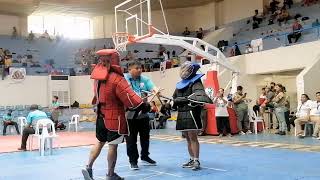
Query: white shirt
[(302, 109), (315, 108), (221, 108)]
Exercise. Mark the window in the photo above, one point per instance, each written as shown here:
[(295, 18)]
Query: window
[(67, 26)]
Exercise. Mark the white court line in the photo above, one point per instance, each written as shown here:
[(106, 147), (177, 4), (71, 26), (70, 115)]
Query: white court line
[(216, 169), (165, 173), (158, 174)]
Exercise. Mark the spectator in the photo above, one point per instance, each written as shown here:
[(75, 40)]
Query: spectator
[(186, 32), (280, 108), (55, 111), (315, 116), (162, 49), (316, 23), (7, 63), (129, 56), (237, 51), (255, 25), (154, 108), (241, 109), (249, 49), (283, 16), (260, 101), (14, 33), (200, 33), (287, 112), (274, 6), (288, 3), (30, 36), (45, 35), (307, 2), (296, 34), (303, 113), (32, 117), (222, 115), (257, 17), (8, 121)]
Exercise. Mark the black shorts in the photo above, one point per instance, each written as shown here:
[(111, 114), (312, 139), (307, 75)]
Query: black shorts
[(105, 135)]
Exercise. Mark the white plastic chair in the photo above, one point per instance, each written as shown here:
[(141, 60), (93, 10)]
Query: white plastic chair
[(45, 136), (22, 121), (253, 118), (74, 121)]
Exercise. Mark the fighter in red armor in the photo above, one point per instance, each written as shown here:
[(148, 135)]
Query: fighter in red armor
[(113, 96)]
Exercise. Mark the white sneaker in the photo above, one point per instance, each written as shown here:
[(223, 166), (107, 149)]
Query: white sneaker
[(242, 133), (318, 138), (249, 132)]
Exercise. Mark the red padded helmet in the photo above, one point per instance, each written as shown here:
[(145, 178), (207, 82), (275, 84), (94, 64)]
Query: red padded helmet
[(115, 59)]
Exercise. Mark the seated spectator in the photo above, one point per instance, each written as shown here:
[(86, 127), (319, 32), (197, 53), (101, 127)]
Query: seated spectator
[(32, 118), (303, 113), (200, 33), (249, 49), (45, 35), (255, 25), (30, 36), (236, 49), (154, 108), (283, 16), (257, 17), (260, 101), (55, 110), (14, 33), (316, 23), (288, 3), (186, 32), (296, 34), (274, 6), (315, 116), (8, 121)]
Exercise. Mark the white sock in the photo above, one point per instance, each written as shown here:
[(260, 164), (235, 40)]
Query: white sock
[(191, 158), (196, 159)]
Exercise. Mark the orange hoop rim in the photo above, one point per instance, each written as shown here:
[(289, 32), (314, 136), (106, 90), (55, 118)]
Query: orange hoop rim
[(130, 38)]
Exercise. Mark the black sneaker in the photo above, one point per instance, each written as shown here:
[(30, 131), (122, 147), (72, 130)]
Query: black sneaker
[(196, 165), (114, 177), (134, 166), (188, 164), (87, 173), (282, 133), (148, 161)]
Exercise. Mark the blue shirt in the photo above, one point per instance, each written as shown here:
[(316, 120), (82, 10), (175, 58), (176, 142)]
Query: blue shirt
[(140, 84), (35, 115), (7, 117)]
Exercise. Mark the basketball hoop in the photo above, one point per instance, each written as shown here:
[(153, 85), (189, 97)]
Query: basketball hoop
[(121, 39)]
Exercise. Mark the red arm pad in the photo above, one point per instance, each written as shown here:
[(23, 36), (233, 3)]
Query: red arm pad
[(126, 95)]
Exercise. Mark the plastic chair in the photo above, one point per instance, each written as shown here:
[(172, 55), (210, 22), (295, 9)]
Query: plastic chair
[(74, 121), (253, 118), (22, 121), (45, 136)]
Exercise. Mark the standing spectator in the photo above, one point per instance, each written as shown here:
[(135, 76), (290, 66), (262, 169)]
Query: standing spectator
[(186, 32), (161, 50), (296, 34), (241, 109), (222, 115), (200, 33), (14, 33), (8, 121), (7, 63), (315, 116), (280, 109), (32, 117)]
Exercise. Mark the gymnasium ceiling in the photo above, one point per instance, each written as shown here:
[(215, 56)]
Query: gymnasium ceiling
[(81, 7)]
